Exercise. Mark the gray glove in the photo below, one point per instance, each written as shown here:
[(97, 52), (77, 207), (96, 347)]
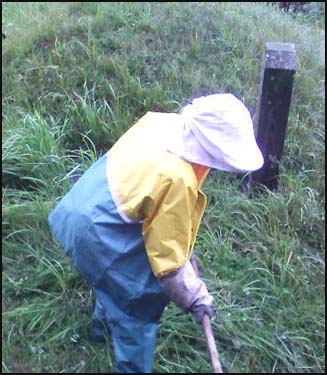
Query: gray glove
[(200, 310), (188, 292)]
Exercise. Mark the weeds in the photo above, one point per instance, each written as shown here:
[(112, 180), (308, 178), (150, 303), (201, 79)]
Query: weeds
[(76, 76)]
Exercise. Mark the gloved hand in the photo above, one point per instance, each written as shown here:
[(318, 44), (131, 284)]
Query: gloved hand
[(188, 292), (199, 310)]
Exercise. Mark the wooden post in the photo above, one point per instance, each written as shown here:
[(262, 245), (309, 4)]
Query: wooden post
[(279, 65)]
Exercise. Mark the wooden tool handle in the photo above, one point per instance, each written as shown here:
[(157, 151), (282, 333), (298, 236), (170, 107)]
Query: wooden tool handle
[(206, 328), (211, 345)]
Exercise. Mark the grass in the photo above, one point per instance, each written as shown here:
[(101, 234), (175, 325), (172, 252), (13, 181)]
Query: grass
[(75, 76)]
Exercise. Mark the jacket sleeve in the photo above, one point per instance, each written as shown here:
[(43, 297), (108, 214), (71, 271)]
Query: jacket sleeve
[(167, 227)]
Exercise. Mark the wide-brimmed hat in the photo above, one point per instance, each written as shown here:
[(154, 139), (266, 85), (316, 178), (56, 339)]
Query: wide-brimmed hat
[(218, 132)]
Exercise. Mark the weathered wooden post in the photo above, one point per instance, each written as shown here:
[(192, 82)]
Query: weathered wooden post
[(278, 68)]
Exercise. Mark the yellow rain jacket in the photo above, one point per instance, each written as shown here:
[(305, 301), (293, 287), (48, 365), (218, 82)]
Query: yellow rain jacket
[(153, 186)]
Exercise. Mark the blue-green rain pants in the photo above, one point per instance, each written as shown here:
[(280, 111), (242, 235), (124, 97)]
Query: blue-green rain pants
[(111, 256)]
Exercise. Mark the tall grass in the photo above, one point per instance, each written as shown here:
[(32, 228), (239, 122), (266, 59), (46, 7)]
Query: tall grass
[(76, 76)]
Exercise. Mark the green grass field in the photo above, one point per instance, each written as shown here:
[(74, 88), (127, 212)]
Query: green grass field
[(75, 76)]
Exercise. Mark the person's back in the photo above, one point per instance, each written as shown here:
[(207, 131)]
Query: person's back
[(140, 164)]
